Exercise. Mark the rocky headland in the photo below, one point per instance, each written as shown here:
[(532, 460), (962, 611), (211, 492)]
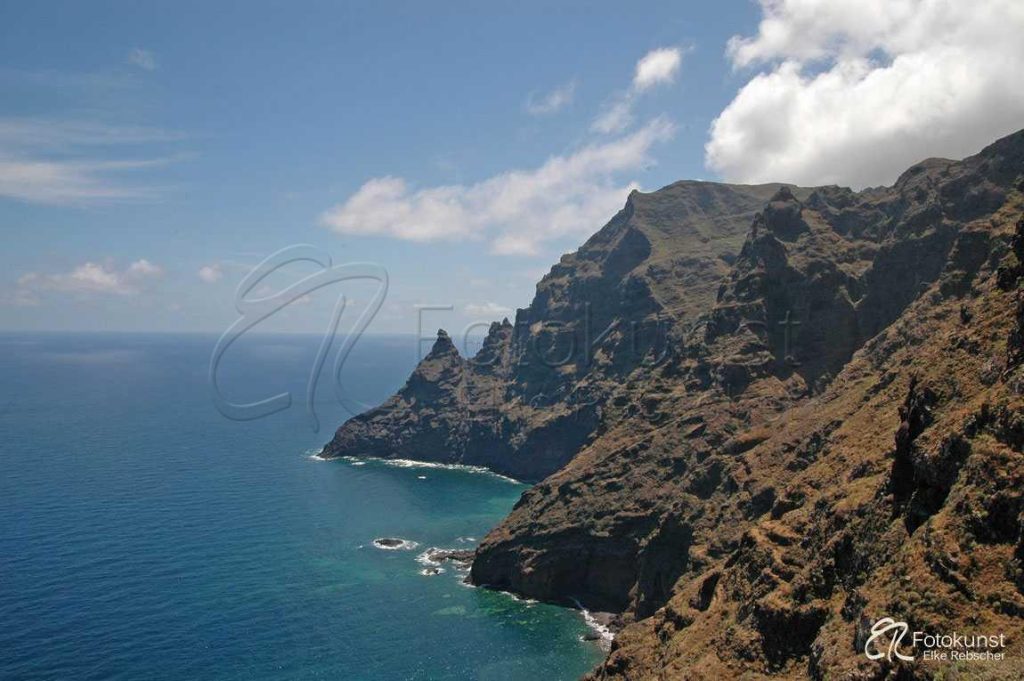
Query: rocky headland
[(759, 418)]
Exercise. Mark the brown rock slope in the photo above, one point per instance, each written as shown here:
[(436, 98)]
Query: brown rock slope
[(829, 432), (897, 492)]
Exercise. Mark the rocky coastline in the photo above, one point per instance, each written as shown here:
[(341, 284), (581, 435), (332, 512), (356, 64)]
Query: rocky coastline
[(777, 414)]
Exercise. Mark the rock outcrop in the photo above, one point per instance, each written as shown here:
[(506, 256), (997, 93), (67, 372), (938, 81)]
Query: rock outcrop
[(799, 411)]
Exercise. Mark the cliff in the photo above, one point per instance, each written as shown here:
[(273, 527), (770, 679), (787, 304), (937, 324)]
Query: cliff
[(533, 395), (798, 411)]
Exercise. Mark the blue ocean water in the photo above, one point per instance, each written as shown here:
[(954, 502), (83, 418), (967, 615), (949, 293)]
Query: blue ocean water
[(145, 536)]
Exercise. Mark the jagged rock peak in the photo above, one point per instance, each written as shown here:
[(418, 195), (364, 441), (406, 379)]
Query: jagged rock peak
[(784, 194), (498, 326), (443, 345), (783, 215)]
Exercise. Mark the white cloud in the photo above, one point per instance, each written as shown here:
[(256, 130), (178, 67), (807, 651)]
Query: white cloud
[(657, 67), (210, 273), (60, 182), (54, 161), (143, 268), (89, 278), (516, 210), (855, 92), (617, 115), (144, 59), (488, 310), (552, 102)]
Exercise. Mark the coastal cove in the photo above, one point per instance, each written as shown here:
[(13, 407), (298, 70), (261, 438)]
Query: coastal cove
[(143, 535)]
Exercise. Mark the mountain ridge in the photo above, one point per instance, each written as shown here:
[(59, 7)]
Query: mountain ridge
[(505, 393)]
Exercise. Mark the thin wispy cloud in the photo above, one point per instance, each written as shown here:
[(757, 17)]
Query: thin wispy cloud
[(840, 80), (55, 134), (657, 67), (144, 59), (551, 102), (75, 182), (88, 279), (57, 158), (616, 117), (515, 211), (488, 310), (59, 161)]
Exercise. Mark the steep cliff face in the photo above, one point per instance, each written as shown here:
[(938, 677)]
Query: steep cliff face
[(895, 493), (429, 404), (532, 396), (825, 431)]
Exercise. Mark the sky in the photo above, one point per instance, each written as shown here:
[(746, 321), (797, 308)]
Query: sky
[(153, 154)]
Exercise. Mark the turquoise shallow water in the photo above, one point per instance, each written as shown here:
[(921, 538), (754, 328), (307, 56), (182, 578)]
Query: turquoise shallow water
[(143, 535)]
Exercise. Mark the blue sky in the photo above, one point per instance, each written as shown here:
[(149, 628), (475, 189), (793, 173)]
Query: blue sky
[(152, 153)]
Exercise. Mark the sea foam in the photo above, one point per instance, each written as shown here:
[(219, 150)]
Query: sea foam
[(602, 630), (411, 463)]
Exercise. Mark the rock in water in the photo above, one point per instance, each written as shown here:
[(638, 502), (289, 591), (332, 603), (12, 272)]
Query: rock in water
[(394, 543)]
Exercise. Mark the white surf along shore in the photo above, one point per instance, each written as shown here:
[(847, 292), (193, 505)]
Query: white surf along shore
[(410, 463), (596, 622)]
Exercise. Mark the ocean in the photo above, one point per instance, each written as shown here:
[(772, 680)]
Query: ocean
[(143, 535)]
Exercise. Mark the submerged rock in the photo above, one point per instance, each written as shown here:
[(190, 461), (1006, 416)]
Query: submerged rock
[(394, 543), (460, 557)]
